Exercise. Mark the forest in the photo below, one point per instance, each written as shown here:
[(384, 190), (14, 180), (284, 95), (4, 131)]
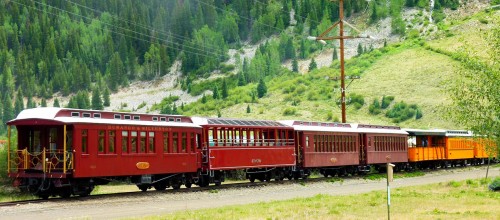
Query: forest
[(88, 49)]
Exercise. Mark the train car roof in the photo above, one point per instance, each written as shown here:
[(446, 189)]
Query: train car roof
[(227, 122), (439, 132), (343, 127), (63, 116)]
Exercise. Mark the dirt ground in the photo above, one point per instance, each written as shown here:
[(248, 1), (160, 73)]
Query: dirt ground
[(157, 203)]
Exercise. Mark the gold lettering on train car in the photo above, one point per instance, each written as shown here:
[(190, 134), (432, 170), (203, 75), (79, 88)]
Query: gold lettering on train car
[(388, 157), (255, 161), (142, 165), (333, 160)]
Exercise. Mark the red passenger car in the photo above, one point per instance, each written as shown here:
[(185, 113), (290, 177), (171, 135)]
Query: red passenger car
[(331, 147), (264, 149), (69, 151)]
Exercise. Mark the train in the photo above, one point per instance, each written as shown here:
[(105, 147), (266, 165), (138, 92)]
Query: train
[(64, 152)]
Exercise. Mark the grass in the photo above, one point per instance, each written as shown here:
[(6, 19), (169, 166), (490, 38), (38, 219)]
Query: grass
[(378, 176), (468, 199)]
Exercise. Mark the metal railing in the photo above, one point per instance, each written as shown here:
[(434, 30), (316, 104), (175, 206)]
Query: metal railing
[(46, 160)]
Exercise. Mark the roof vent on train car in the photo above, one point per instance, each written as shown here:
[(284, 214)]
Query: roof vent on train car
[(97, 115), (75, 114), (86, 115)]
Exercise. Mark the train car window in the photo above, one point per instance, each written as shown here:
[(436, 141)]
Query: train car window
[(170, 119), (166, 142), (84, 141), (142, 142), (151, 142), (178, 120), (175, 142), (117, 116), (307, 141), (163, 119), (198, 143), (101, 140), (125, 142), (137, 117), (86, 115), (184, 142), (111, 142), (133, 142), (126, 117), (75, 114), (315, 137), (97, 115), (193, 142), (155, 118)]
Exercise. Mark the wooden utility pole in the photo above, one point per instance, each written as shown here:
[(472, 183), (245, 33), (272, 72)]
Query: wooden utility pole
[(322, 37)]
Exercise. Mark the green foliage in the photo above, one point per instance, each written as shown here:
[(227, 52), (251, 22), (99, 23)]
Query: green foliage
[(261, 88), (374, 108), (386, 101), (248, 109), (295, 66), (312, 65), (96, 100), (495, 184), (289, 111), (357, 100), (56, 103), (106, 98), (401, 112)]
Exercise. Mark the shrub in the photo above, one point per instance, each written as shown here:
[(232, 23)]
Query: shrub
[(289, 112), (374, 108), (402, 112), (357, 100), (386, 101)]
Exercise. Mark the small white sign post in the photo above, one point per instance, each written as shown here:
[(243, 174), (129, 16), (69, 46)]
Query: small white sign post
[(389, 179)]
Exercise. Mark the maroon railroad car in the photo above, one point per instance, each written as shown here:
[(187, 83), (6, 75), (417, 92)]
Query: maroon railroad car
[(331, 147), (383, 144), (264, 149), (68, 151)]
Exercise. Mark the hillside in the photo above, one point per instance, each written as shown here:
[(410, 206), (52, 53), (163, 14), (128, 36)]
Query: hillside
[(171, 57)]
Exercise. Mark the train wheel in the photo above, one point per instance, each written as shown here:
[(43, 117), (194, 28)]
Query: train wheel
[(188, 185), (252, 179), (143, 188), (65, 192), (159, 187)]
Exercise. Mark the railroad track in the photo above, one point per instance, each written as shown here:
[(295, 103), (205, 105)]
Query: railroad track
[(195, 189)]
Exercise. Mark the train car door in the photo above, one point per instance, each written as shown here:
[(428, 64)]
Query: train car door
[(364, 142), (299, 146)]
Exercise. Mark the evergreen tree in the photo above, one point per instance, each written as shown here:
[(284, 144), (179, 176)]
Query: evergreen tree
[(295, 65), (56, 103), (215, 94), (241, 79), (313, 65), (224, 92), (43, 103), (335, 56), (8, 110), (72, 102), (106, 97), (204, 99), (19, 104), (261, 88), (30, 103), (96, 99), (374, 13), (385, 42), (360, 49), (248, 109)]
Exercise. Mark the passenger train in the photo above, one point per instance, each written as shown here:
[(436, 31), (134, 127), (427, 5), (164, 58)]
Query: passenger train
[(64, 152)]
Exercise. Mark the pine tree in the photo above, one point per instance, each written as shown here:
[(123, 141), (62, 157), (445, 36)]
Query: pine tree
[(43, 103), (248, 109), (204, 99), (335, 56), (313, 65), (96, 100), (374, 15), (360, 49), (30, 103), (224, 92), (106, 98), (216, 93), (385, 42), (19, 104), (261, 88), (295, 65), (56, 103), (8, 110)]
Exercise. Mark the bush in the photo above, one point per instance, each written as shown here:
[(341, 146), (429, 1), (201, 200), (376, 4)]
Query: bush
[(374, 108), (495, 185), (386, 101), (289, 112), (357, 100), (401, 112)]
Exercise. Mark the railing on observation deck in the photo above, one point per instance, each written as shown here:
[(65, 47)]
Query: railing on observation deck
[(47, 161)]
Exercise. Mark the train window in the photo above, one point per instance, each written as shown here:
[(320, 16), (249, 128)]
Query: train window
[(118, 116), (315, 138), (178, 120), (166, 142), (133, 142), (170, 119), (307, 141), (155, 118), (163, 119), (97, 115), (175, 142), (184, 142), (151, 142), (126, 117), (111, 141), (193, 142), (124, 141), (84, 141), (75, 114), (101, 141), (86, 115), (142, 142), (137, 117)]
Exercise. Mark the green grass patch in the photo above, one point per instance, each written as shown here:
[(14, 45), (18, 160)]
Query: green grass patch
[(435, 201)]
